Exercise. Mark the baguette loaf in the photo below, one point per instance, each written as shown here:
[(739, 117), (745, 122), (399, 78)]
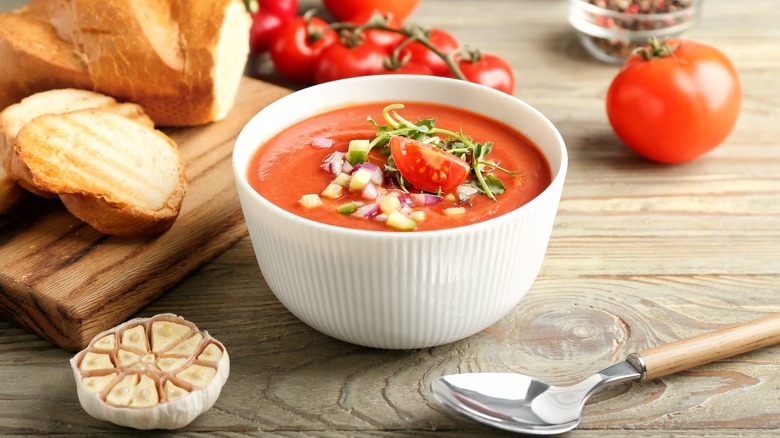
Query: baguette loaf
[(120, 176), (182, 60), (14, 117), (34, 58)]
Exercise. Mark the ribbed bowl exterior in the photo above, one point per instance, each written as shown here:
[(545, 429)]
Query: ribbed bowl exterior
[(392, 289)]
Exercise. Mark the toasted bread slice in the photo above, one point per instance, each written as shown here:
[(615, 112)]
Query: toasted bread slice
[(121, 177), (14, 117)]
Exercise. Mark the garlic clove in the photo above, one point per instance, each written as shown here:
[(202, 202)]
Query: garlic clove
[(211, 353), (165, 334), (106, 343), (151, 373), (135, 338), (186, 348), (96, 361)]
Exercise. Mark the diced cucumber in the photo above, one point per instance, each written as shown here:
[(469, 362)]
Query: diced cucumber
[(358, 151), (453, 211), (310, 201), (417, 216), (333, 191), (390, 203), (359, 179), (342, 179), (348, 208), (397, 220)]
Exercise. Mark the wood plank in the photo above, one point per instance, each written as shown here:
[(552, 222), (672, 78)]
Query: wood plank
[(66, 282)]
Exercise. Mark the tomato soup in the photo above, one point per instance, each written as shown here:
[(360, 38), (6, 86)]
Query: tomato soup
[(293, 167)]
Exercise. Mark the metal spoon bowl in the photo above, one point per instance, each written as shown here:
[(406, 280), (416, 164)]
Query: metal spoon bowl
[(523, 404)]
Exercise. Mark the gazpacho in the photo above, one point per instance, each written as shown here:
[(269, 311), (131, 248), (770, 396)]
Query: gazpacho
[(394, 166)]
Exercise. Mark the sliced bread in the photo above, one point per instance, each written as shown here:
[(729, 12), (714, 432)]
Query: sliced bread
[(121, 177), (14, 117)]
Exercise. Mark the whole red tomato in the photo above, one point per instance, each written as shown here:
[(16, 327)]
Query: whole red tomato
[(265, 26), (489, 70), (387, 39), (674, 108), (267, 21), (281, 8), (345, 10), (294, 51), (440, 39), (408, 68), (340, 61)]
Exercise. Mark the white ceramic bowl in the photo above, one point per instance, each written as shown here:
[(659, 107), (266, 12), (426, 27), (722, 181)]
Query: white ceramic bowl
[(400, 290)]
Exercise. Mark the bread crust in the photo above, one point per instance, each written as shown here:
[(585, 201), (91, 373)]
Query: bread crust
[(35, 59), (181, 60)]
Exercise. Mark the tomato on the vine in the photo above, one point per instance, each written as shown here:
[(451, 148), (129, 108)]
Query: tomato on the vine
[(409, 68), (346, 10), (267, 21), (440, 39), (284, 9), (677, 105), (294, 52), (265, 26), (427, 167), (340, 61), (489, 70), (387, 39)]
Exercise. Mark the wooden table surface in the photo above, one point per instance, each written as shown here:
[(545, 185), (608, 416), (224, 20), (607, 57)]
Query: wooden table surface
[(641, 254)]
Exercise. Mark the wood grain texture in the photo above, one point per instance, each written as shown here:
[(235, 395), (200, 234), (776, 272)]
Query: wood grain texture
[(67, 282), (641, 255)]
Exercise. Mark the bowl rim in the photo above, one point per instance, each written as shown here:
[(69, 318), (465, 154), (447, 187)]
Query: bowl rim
[(598, 10), (240, 169)]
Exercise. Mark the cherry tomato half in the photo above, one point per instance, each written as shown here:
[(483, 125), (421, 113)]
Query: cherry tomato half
[(345, 10), (427, 167), (293, 51), (338, 61), (672, 109), (440, 39), (489, 70)]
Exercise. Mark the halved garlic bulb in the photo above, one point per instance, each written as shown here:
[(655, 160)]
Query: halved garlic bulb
[(151, 373)]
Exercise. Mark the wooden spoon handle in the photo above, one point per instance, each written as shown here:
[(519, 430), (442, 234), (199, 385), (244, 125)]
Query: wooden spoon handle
[(707, 347)]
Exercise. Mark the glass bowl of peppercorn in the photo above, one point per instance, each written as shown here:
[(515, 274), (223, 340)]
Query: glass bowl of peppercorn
[(611, 30)]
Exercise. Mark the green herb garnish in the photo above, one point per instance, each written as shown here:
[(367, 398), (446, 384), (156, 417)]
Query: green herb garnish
[(456, 143)]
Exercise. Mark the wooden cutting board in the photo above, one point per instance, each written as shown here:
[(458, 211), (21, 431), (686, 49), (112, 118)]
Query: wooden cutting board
[(65, 281)]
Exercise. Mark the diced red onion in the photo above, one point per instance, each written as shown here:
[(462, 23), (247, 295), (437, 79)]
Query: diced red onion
[(322, 142), (406, 210), (370, 191), (425, 198), (367, 211), (406, 199), (347, 167), (334, 162), (466, 191), (377, 176)]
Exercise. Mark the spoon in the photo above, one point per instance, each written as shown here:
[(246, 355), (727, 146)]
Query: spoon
[(523, 404)]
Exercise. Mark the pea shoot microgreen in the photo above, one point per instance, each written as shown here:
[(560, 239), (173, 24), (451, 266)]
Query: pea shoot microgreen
[(456, 143)]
